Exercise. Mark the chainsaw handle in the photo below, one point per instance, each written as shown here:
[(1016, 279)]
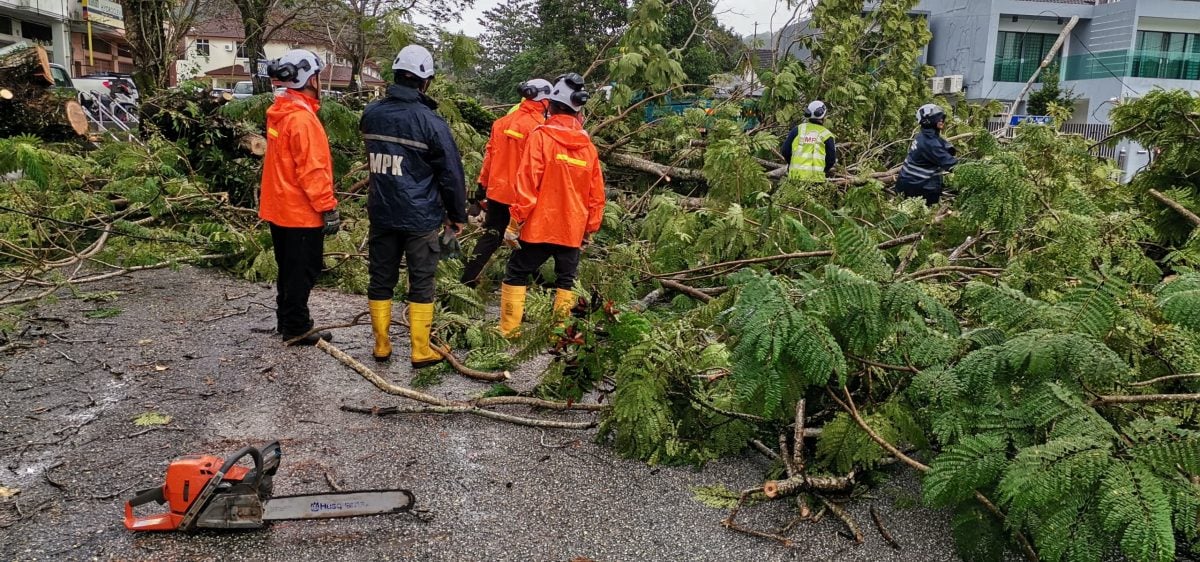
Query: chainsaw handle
[(254, 453)]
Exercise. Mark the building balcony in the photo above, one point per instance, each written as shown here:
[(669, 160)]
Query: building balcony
[(1164, 65), (1017, 69)]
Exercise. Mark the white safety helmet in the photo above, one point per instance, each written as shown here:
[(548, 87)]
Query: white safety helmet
[(416, 60), (294, 68), (816, 110), (929, 114), (568, 90), (535, 89)]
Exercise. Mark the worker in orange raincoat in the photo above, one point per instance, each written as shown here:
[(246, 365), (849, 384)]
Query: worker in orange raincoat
[(297, 190), (560, 203), (498, 177)]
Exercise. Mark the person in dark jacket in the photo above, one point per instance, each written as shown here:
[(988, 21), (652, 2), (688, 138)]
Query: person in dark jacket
[(929, 157), (810, 149), (416, 189)]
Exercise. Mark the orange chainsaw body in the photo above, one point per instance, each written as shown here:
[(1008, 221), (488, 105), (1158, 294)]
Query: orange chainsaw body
[(187, 476)]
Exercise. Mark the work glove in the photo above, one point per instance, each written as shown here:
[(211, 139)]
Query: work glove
[(512, 235), (333, 222), (449, 240), (952, 150), (475, 208)]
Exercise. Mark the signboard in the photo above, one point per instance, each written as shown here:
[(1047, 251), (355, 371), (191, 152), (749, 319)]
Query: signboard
[(260, 69), (103, 12), (1031, 119)]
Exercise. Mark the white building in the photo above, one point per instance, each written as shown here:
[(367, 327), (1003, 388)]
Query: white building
[(214, 52), (45, 22)]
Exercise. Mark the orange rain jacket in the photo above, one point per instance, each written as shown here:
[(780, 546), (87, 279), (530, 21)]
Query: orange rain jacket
[(560, 188), (509, 133), (297, 180)]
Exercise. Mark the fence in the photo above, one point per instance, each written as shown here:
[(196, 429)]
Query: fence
[(1091, 131)]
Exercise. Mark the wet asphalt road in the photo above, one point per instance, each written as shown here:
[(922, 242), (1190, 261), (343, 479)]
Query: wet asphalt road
[(493, 491)]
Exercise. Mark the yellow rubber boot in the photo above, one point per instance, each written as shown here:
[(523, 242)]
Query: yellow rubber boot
[(381, 318), (564, 301), (512, 308), (420, 322)]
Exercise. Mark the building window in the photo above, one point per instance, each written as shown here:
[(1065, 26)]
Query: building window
[(202, 47), (1019, 54), (241, 50), (39, 33), (1161, 54), (5, 26)]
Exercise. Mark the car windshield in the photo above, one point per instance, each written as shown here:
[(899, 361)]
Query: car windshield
[(243, 88)]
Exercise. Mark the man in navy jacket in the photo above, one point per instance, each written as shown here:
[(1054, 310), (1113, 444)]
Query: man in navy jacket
[(929, 157), (417, 188)]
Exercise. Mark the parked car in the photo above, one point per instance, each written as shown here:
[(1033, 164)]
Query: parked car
[(114, 93), (243, 90)]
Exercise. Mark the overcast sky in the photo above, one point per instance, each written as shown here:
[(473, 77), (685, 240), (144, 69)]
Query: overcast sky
[(738, 14)]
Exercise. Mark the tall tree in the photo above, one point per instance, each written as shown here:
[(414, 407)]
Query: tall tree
[(262, 18), (361, 30), (155, 31)]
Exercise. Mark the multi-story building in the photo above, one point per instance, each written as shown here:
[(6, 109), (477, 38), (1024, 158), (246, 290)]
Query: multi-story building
[(45, 22), (60, 26), (214, 52), (1118, 50)]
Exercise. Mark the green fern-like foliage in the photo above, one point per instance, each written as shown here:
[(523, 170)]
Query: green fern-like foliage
[(994, 194), (844, 445), (854, 250), (1136, 509), (971, 464), (1179, 300), (780, 350)]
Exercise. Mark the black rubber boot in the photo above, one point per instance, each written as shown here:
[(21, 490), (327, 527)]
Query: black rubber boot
[(311, 339)]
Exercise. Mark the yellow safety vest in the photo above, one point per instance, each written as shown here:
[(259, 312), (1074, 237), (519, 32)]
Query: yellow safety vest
[(808, 153)]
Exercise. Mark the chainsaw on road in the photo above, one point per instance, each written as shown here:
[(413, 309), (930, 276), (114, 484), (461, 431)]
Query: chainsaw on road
[(208, 492)]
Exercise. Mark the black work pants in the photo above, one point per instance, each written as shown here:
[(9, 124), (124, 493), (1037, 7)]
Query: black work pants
[(494, 222), (526, 261), (931, 191), (385, 249), (298, 253)]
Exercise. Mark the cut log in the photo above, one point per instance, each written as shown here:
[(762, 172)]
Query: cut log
[(253, 143), (29, 102), (801, 483)]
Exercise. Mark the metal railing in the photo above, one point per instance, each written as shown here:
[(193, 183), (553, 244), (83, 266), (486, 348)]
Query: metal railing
[(1090, 131), (1166, 65)]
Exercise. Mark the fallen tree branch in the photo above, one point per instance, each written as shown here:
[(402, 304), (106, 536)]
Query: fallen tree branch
[(1144, 399), (1187, 214), (730, 523), (663, 171), (883, 532), (850, 408), (1162, 379), (499, 416), (436, 405), (689, 291), (463, 369), (538, 403), (845, 517), (775, 489)]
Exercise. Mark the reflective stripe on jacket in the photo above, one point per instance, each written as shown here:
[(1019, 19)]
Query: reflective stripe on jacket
[(560, 187), (504, 148), (808, 153), (928, 157), (297, 176), (416, 171)]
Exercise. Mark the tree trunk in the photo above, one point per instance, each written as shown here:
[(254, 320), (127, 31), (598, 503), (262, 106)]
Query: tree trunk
[(29, 102), (145, 29), (254, 26), (356, 66)]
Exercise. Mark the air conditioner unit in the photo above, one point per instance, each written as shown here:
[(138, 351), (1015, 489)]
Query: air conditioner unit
[(935, 85), (228, 48), (952, 84)]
